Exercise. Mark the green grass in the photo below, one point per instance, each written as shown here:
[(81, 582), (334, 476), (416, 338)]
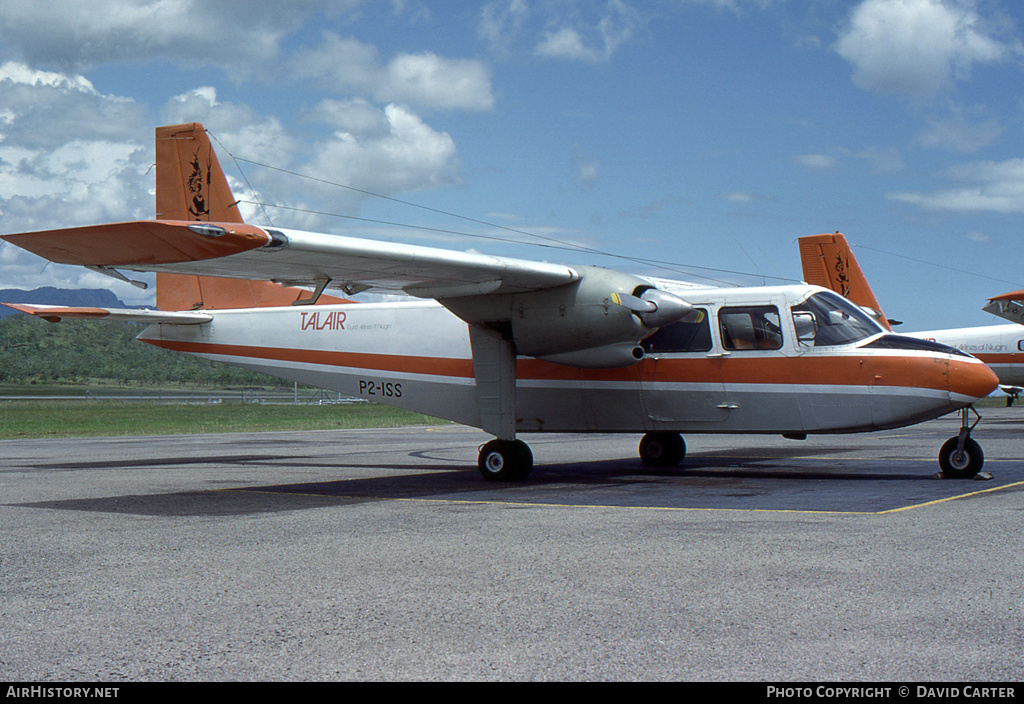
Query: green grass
[(74, 418)]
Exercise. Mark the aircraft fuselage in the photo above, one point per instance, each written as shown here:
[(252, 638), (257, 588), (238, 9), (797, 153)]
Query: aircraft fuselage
[(701, 379)]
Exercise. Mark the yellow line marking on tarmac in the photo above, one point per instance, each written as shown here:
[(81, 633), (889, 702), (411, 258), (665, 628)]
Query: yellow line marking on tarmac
[(952, 498)]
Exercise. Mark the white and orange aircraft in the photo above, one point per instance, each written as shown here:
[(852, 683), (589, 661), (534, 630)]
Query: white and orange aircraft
[(828, 261), (510, 345)]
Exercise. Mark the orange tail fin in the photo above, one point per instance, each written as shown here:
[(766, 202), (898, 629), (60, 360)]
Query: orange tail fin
[(190, 185), (828, 261)]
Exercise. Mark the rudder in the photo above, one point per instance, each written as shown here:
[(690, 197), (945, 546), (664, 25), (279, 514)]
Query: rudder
[(828, 261), (190, 185)]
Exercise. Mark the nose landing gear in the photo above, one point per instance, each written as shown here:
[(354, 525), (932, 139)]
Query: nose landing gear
[(961, 457)]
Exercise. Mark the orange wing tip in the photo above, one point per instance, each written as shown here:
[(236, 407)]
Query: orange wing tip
[(54, 314), (139, 315), (142, 242), (1012, 296)]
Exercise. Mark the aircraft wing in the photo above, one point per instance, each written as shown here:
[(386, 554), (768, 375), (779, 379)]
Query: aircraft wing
[(55, 314), (1009, 306), (235, 250)]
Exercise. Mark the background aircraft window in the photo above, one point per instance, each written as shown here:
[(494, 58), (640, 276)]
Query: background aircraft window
[(750, 328), (683, 336), (827, 319)]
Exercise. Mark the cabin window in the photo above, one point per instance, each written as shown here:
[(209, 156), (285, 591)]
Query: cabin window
[(683, 336), (827, 319), (750, 328)]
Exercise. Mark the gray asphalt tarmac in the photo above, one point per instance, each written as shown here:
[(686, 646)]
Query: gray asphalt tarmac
[(382, 555)]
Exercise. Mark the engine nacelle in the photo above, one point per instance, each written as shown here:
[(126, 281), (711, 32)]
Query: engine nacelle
[(623, 354), (579, 316), (597, 321)]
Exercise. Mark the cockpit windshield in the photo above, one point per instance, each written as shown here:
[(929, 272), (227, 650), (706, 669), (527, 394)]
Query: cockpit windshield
[(827, 319)]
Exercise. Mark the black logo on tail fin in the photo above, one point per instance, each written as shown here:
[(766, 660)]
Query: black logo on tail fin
[(842, 278), (199, 187)]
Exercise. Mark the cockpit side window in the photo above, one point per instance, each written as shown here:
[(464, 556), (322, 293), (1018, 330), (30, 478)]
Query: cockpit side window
[(750, 328), (684, 336), (826, 319)]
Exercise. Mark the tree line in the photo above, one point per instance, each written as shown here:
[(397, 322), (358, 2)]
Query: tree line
[(35, 351)]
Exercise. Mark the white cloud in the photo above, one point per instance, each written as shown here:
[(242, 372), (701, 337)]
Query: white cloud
[(917, 47), (595, 40), (17, 73), (575, 31), (816, 161), (988, 186), (882, 160), (383, 151), (744, 197), (409, 156), (74, 35), (500, 24), (68, 155), (588, 170), (424, 80), (958, 133), (356, 117), (72, 156), (429, 80), (566, 43)]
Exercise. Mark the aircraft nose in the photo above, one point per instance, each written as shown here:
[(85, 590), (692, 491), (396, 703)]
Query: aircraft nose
[(971, 380)]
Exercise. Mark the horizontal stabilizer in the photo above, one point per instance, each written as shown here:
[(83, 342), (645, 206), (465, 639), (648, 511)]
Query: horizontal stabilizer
[(54, 314)]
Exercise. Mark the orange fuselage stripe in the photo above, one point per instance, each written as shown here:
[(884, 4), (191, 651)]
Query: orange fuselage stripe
[(919, 372), (996, 358)]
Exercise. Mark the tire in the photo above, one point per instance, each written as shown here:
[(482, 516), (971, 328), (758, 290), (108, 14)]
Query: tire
[(961, 465), (505, 461), (662, 449)]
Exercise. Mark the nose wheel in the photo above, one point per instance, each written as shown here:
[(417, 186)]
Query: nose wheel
[(961, 457)]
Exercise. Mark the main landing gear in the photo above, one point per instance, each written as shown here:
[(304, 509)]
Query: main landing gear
[(662, 449), (961, 456), (505, 460)]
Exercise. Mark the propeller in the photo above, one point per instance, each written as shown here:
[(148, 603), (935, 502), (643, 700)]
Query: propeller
[(655, 308)]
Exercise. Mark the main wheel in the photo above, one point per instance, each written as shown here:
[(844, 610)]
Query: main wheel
[(505, 460), (961, 465), (662, 449)]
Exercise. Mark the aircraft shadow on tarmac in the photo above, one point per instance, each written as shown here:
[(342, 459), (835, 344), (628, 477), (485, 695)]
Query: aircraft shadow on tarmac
[(724, 480)]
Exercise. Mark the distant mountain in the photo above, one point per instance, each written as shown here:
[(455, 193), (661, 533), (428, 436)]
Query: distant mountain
[(49, 295)]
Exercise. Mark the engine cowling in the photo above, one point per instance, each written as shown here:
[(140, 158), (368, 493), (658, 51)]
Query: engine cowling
[(597, 321)]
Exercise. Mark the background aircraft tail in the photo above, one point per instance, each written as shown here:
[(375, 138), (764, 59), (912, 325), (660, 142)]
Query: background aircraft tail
[(828, 261), (190, 185)]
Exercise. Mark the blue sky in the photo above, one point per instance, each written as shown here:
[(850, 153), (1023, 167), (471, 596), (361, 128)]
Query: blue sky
[(705, 134)]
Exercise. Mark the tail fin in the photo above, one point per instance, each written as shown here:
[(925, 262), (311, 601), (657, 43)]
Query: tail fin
[(190, 185), (828, 261), (1008, 305)]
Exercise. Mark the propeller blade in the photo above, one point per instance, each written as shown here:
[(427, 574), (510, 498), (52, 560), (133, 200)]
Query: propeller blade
[(634, 303), (655, 308)]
